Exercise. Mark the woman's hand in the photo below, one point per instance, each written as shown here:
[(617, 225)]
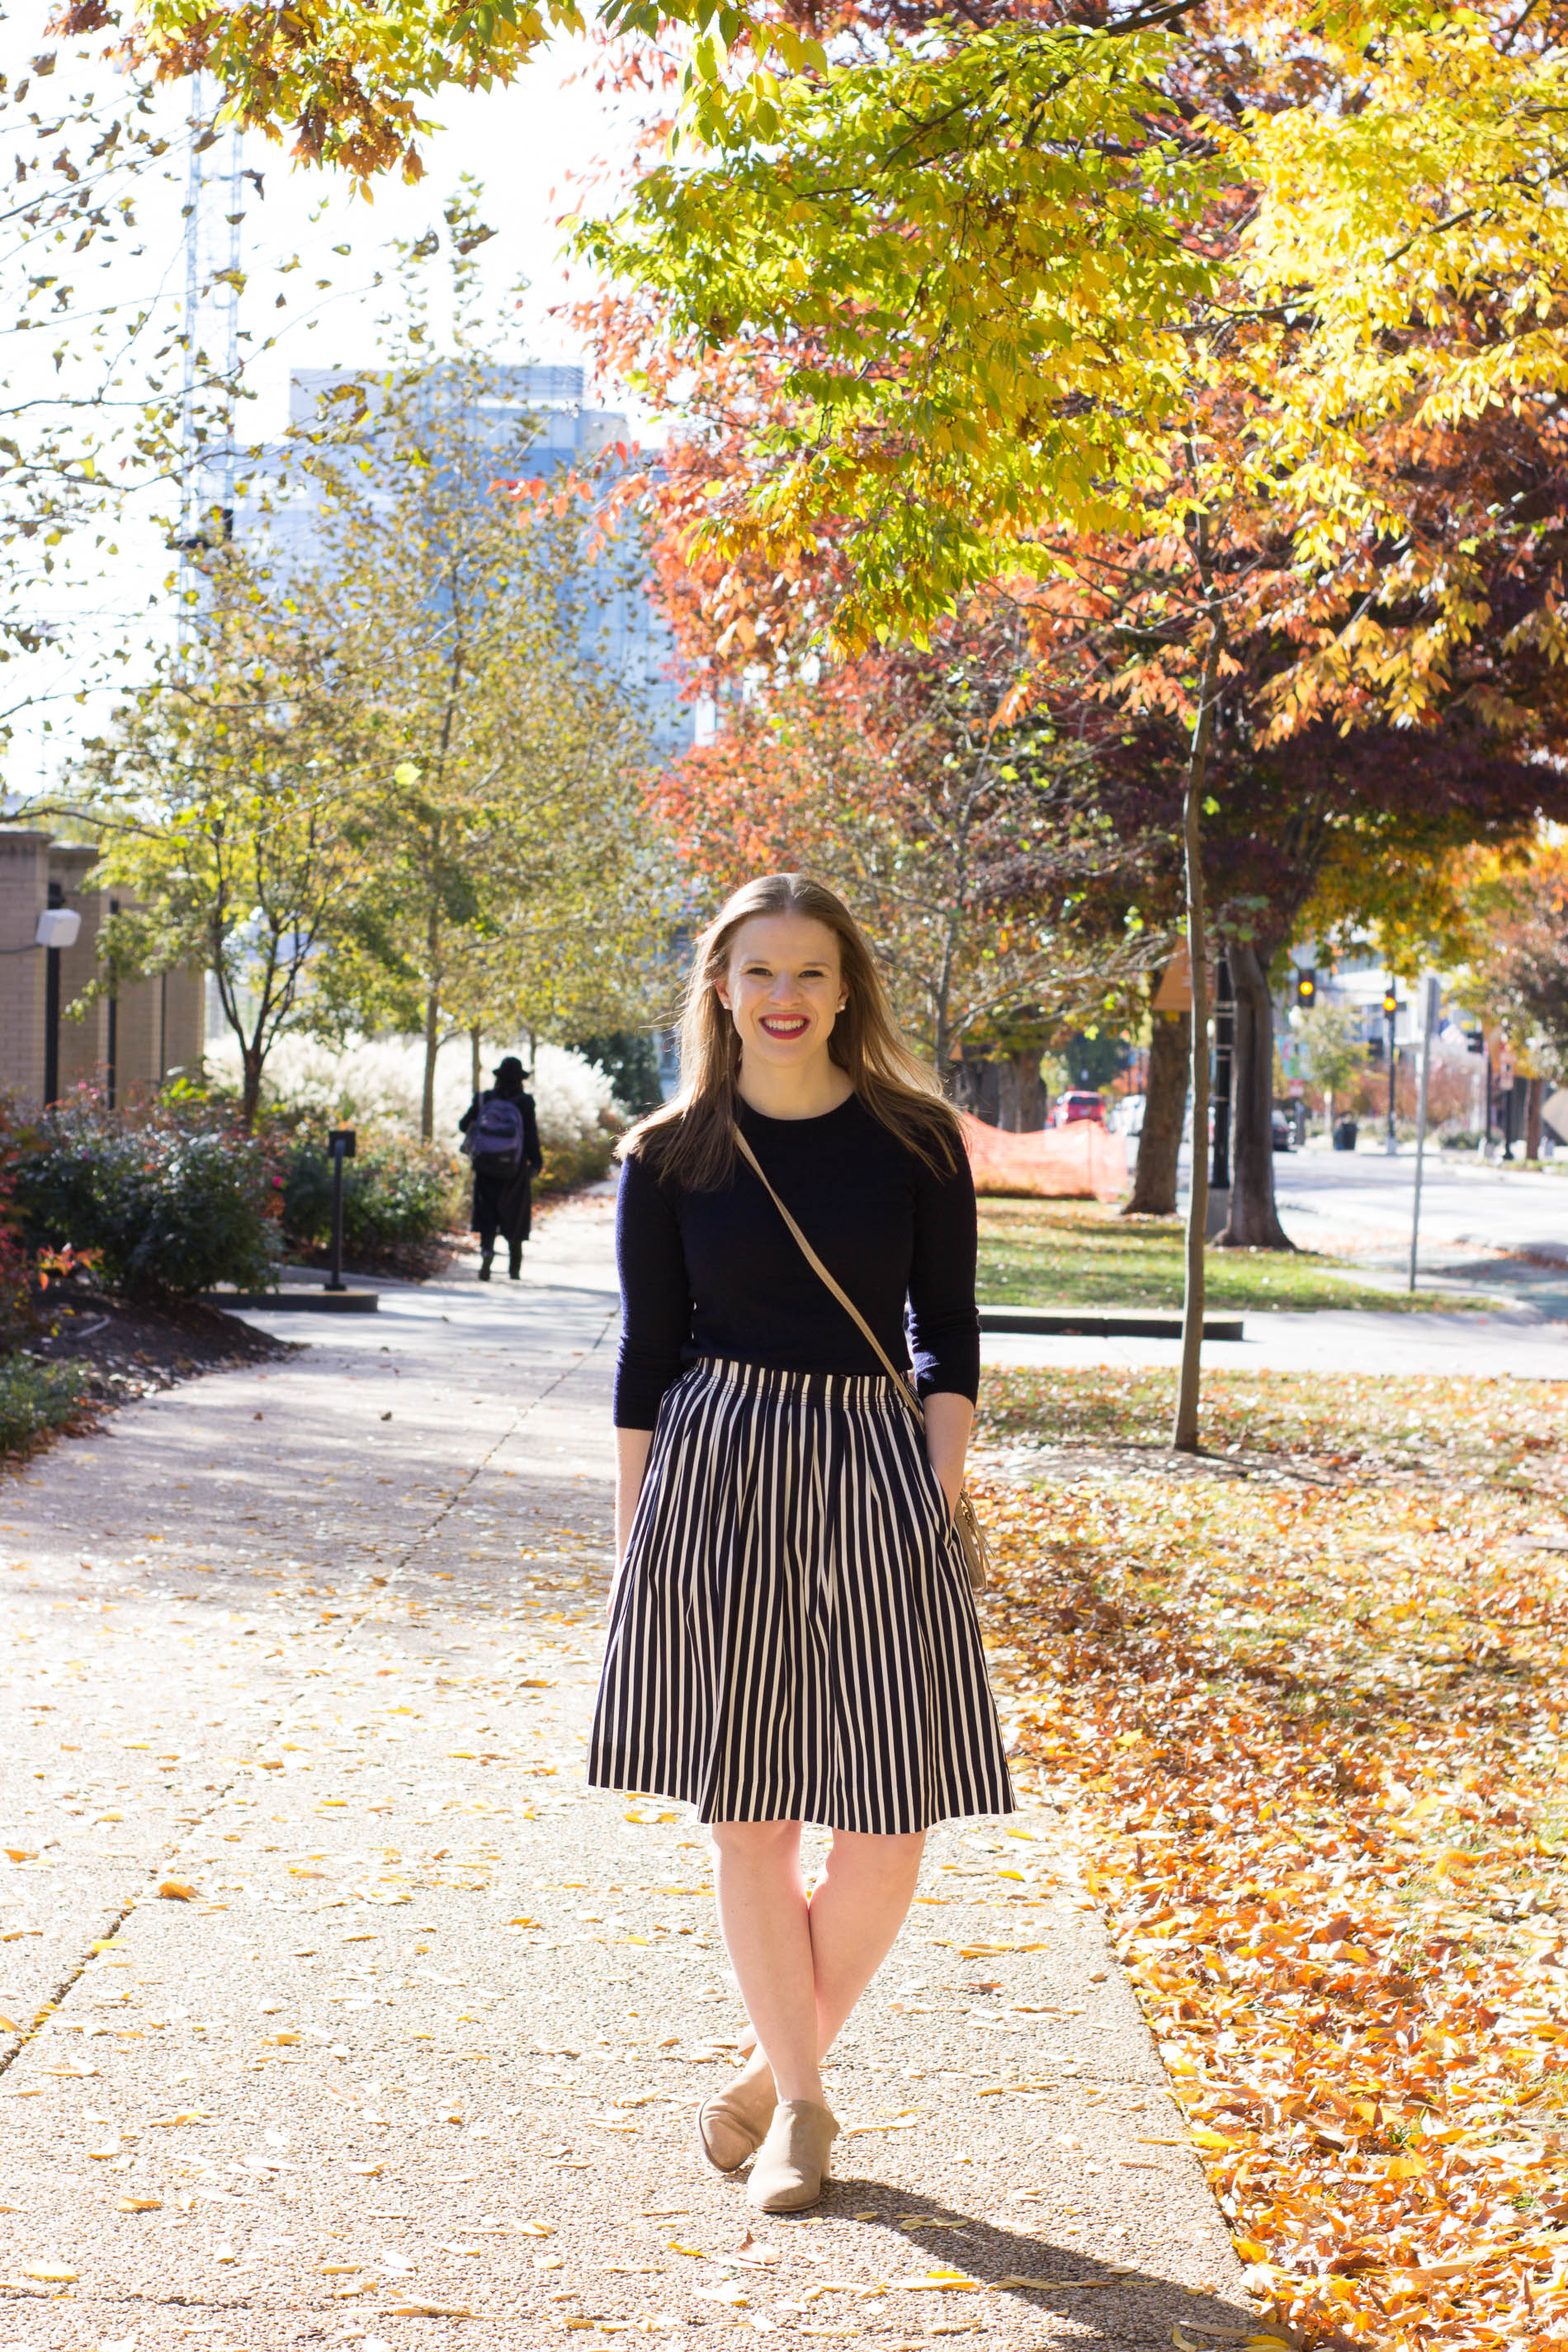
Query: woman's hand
[(631, 1467), (948, 1420)]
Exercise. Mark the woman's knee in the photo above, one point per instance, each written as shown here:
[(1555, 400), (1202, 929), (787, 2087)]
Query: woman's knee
[(894, 1857), (754, 1842)]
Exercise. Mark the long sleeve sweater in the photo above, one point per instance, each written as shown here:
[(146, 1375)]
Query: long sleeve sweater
[(720, 1274)]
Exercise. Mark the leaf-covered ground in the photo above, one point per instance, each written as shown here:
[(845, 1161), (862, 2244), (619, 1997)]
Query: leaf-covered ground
[(1313, 1692), (1085, 1254)]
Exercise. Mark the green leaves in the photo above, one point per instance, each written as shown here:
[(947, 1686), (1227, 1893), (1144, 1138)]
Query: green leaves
[(970, 268)]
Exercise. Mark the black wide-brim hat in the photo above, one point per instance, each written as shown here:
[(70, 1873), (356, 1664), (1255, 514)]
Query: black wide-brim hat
[(510, 1071)]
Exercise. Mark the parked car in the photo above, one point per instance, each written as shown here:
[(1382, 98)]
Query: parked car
[(1284, 1137), (1077, 1104)]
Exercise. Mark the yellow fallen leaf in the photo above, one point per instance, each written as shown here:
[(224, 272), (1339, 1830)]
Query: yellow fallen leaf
[(431, 2311), (283, 2040), (175, 1890), (140, 2204), (537, 2228), (341, 2270), (366, 2171), (21, 1854), (54, 2272), (938, 2283), (9, 2025)]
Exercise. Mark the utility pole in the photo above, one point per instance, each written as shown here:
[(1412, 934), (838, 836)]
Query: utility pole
[(214, 212), (1224, 1065), (1431, 1005), (1391, 1015)]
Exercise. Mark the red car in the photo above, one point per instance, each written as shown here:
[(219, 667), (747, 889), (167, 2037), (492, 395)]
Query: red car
[(1077, 1104)]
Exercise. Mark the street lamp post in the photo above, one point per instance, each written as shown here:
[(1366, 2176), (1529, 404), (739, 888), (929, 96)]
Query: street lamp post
[(341, 1145)]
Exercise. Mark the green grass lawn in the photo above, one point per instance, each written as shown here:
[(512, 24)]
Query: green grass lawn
[(1082, 1253)]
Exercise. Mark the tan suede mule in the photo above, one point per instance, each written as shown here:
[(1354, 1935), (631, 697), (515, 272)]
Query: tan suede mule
[(793, 2162), (732, 2124)]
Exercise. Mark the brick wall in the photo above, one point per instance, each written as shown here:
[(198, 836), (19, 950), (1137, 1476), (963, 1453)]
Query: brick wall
[(23, 889)]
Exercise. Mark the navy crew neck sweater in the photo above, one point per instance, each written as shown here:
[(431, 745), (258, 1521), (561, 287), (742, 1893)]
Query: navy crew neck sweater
[(720, 1274)]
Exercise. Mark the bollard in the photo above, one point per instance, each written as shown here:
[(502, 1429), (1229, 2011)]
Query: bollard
[(340, 1144)]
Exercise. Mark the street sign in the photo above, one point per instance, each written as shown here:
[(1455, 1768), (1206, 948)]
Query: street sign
[(1174, 994)]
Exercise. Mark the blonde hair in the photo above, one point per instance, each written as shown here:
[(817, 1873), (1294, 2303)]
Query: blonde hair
[(691, 1142)]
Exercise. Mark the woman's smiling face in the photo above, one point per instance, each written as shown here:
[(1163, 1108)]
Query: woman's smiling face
[(784, 988)]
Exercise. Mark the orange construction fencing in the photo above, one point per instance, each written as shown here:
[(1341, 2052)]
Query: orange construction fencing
[(1081, 1163)]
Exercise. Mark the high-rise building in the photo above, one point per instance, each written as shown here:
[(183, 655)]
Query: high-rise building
[(534, 420)]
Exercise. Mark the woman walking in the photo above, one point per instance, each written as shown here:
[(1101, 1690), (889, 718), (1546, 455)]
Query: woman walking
[(793, 1636), (500, 1136)]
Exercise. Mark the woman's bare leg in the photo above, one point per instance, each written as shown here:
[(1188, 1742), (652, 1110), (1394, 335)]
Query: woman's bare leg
[(850, 1925), (764, 1920), (857, 1909)]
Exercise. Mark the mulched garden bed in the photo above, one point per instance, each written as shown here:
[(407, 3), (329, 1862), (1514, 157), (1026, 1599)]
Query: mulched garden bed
[(127, 1351)]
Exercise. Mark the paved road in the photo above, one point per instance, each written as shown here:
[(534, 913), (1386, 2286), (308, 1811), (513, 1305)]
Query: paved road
[(418, 2025), (1338, 1200)]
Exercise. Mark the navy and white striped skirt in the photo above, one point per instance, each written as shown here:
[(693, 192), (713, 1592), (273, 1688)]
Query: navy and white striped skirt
[(793, 1637)]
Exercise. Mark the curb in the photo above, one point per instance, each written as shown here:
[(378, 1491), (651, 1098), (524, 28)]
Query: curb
[(295, 1299), (1051, 1322)]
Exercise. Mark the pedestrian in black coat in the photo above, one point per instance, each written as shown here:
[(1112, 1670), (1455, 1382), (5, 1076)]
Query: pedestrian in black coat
[(501, 1138)]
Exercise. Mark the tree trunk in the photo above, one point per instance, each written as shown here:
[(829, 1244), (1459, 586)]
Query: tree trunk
[(250, 1058), (1031, 1094), (1153, 1191), (474, 1056), (432, 1047), (1534, 1095), (1253, 1222), (1184, 1424), (432, 1022)]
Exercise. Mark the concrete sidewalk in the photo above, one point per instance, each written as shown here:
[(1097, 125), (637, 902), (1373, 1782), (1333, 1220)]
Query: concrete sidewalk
[(342, 2014)]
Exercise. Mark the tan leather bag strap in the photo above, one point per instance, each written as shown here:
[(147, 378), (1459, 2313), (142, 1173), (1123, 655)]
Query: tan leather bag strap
[(899, 1380)]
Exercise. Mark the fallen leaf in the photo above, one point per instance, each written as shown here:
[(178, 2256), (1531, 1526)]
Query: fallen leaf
[(140, 2204), (53, 2272), (174, 1890)]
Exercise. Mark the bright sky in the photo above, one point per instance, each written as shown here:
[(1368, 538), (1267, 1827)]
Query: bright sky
[(536, 147)]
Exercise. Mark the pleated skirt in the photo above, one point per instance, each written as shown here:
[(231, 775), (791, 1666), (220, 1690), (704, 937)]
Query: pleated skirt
[(793, 1636)]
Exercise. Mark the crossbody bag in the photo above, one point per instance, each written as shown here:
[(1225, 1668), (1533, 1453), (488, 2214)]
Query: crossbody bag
[(966, 1524)]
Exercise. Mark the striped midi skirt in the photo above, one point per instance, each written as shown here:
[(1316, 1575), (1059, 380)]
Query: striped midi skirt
[(793, 1636)]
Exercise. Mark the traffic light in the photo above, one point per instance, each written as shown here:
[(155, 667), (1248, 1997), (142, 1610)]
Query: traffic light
[(1306, 990), (1390, 1004)]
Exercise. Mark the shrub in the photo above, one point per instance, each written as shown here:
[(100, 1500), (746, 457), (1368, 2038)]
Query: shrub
[(399, 1199), (38, 1399), (582, 1160), (374, 1084), (171, 1200), (629, 1059)]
